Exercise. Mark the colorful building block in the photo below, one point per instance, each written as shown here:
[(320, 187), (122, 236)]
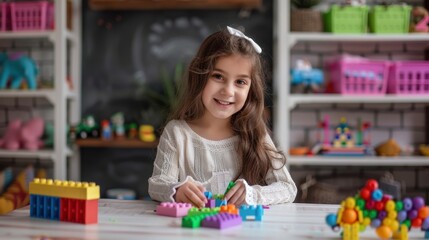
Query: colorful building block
[(194, 221), (65, 189), (230, 208), (230, 185), (251, 210), (221, 221), (173, 209), (211, 203), (203, 211), (48, 201)]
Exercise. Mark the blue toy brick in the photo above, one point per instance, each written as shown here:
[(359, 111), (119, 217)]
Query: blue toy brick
[(208, 195), (251, 210), (220, 202), (44, 207)]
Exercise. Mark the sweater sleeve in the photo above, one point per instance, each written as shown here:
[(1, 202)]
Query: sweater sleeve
[(280, 186), (165, 175)]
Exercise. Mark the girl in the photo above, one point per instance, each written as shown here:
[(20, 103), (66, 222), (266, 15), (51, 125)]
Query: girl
[(218, 133)]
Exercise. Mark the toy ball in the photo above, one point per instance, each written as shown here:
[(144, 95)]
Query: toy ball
[(399, 205), (331, 220), (370, 204), (381, 215), (377, 195), (402, 215), (350, 202), (384, 232), (423, 212), (390, 206), (394, 226), (425, 224), (408, 204), (412, 214), (416, 222), (375, 223), (349, 216), (371, 184), (365, 194), (360, 203), (418, 202)]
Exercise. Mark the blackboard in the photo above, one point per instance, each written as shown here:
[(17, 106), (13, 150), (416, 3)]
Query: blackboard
[(124, 52)]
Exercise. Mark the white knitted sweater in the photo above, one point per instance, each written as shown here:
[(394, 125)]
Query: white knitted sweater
[(183, 156)]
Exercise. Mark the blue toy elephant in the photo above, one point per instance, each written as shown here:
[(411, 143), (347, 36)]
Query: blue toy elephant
[(17, 68)]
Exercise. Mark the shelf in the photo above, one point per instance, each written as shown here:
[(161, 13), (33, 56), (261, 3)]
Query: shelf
[(47, 93), (48, 34), (27, 154), (295, 37), (295, 99), (358, 161), (123, 143)]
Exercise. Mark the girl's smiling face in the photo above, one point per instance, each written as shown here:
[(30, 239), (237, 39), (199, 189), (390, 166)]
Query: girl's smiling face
[(227, 88)]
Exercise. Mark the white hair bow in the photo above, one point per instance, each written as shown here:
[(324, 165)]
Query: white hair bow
[(238, 33)]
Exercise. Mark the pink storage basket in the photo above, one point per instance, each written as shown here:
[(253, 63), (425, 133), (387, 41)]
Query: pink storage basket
[(409, 77), (3, 16), (362, 76), (27, 16)]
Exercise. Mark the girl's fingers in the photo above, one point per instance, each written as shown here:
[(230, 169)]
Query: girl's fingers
[(194, 197), (238, 195)]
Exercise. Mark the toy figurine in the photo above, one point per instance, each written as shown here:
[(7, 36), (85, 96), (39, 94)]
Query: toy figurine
[(305, 78), (420, 20), (106, 130), (147, 133), (132, 130), (118, 124), (17, 67), (87, 128), (389, 148)]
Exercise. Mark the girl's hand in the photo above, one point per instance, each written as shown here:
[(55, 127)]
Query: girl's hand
[(237, 194), (191, 193)]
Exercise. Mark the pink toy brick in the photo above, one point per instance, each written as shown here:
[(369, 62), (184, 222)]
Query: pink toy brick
[(173, 209), (222, 221), (211, 203), (251, 210)]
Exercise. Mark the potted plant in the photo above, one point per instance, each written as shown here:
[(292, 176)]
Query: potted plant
[(304, 18)]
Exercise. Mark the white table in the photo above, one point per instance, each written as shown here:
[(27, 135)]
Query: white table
[(120, 220)]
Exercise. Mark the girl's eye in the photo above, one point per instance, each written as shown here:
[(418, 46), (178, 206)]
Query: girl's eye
[(217, 76), (241, 82)]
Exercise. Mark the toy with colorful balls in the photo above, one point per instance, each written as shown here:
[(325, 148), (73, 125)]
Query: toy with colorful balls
[(391, 219)]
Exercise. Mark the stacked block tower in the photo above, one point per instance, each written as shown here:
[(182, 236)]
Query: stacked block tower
[(67, 201)]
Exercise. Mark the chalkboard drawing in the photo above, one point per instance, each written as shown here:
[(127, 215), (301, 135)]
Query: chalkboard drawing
[(17, 67)]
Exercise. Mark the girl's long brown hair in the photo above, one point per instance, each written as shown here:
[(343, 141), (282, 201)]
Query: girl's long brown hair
[(250, 123)]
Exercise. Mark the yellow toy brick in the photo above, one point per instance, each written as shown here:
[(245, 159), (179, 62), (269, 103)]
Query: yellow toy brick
[(65, 189)]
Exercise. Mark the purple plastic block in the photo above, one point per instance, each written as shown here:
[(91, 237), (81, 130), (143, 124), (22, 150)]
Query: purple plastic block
[(222, 221), (173, 209), (211, 203)]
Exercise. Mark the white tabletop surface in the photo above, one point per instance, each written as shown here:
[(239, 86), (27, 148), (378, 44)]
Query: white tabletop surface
[(121, 219)]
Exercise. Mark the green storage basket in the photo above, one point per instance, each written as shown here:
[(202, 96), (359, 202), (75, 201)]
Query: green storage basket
[(346, 19), (390, 19)]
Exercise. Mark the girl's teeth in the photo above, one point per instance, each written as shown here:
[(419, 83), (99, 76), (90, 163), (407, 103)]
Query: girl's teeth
[(222, 102)]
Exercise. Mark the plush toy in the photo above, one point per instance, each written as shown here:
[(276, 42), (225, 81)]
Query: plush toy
[(17, 67), (11, 139), (23, 135), (31, 133)]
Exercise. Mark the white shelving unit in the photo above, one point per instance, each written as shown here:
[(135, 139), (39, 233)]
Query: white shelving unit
[(65, 102), (284, 101)]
